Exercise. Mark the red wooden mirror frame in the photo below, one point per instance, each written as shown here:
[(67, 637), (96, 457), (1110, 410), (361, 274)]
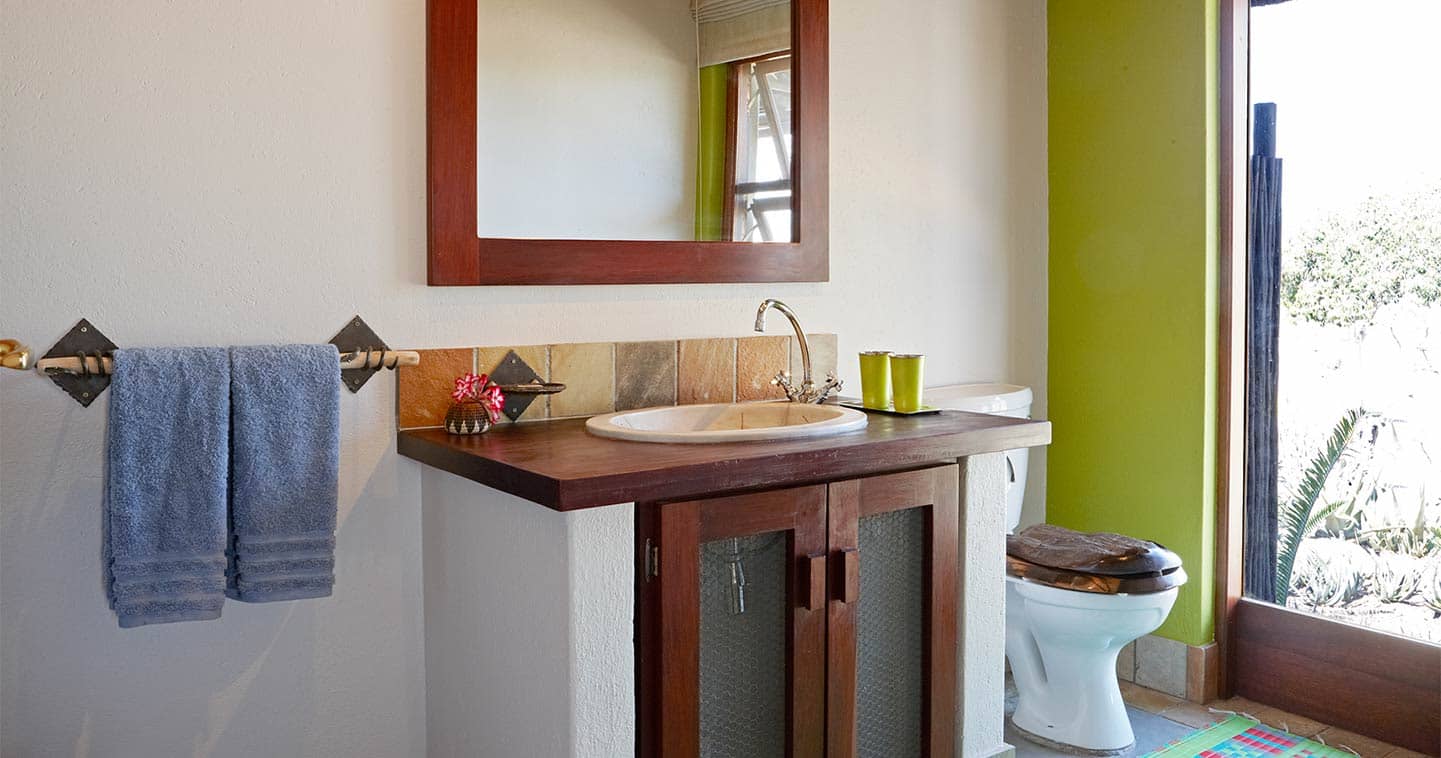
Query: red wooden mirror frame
[(457, 255)]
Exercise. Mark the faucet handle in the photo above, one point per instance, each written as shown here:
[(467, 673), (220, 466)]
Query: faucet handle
[(831, 385), (782, 379)]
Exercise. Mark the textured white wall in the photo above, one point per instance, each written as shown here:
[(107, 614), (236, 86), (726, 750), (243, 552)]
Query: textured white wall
[(222, 173)]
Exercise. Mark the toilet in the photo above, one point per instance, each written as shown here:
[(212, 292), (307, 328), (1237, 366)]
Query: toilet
[(1073, 601)]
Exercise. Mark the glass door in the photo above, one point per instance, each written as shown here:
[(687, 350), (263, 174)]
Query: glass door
[(1340, 617)]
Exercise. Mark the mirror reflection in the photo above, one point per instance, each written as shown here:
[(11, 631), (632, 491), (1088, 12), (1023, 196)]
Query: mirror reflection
[(634, 119)]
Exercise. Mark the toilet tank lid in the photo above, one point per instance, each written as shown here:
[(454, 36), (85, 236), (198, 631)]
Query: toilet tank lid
[(979, 398)]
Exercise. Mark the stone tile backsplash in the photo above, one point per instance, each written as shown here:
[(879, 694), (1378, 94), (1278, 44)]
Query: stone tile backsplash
[(601, 377), (645, 374), (706, 372)]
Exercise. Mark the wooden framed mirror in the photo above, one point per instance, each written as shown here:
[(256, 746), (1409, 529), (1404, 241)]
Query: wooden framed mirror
[(626, 141)]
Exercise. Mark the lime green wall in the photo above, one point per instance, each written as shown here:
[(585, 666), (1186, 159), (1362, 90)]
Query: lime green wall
[(710, 182), (1132, 342)]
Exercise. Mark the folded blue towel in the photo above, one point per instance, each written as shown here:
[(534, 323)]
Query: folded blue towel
[(169, 438), (284, 471)]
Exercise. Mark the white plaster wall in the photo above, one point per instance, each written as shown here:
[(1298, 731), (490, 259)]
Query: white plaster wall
[(529, 623), (222, 173), (587, 111)]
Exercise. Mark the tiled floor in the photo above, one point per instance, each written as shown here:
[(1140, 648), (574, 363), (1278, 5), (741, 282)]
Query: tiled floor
[(1158, 719)]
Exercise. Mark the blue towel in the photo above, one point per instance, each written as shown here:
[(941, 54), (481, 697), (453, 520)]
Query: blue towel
[(284, 471), (166, 471)]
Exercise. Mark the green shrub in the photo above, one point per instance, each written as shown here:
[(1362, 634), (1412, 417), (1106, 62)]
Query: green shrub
[(1378, 253)]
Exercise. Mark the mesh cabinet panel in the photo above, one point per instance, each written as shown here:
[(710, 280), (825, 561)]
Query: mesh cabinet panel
[(890, 634), (743, 655)]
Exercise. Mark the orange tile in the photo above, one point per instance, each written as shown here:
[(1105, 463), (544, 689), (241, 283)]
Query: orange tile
[(706, 372), (758, 359), (423, 392)]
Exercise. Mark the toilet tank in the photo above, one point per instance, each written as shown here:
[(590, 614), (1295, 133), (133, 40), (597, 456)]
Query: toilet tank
[(1000, 400)]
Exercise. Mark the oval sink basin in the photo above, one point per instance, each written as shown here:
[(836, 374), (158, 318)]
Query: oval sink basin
[(727, 422)]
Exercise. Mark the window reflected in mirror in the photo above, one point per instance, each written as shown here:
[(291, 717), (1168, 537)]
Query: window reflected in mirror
[(634, 120)]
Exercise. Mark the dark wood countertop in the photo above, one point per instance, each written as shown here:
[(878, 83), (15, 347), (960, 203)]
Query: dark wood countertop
[(560, 465)]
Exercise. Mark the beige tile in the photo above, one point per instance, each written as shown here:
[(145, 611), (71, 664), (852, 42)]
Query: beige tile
[(758, 359), (1192, 714), (645, 374), (1161, 665), (535, 356), (1237, 705), (1147, 700), (823, 356), (588, 372), (1290, 722), (423, 391), (1366, 747), (707, 372)]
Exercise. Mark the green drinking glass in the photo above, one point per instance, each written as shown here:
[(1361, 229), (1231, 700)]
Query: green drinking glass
[(876, 379), (907, 378)]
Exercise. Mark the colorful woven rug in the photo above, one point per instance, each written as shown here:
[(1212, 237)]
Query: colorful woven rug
[(1240, 737)]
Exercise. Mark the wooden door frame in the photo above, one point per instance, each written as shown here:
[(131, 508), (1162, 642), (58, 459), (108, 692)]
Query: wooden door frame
[(1276, 656), (937, 491), (668, 613)]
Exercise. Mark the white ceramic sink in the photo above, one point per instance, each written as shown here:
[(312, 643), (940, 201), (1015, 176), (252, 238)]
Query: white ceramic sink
[(727, 422)]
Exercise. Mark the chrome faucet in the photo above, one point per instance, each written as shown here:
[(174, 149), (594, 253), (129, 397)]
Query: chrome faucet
[(808, 392)]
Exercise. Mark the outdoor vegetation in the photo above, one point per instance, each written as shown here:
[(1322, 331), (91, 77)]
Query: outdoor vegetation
[(1359, 524)]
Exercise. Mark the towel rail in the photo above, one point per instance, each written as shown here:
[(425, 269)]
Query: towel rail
[(102, 364), (81, 365)]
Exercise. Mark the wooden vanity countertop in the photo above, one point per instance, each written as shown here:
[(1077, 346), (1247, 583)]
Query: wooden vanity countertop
[(560, 465)]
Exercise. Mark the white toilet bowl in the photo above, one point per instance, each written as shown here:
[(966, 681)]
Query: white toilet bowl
[(1062, 645)]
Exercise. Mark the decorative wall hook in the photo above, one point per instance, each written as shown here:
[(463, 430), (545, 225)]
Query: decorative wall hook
[(363, 353), (79, 363)]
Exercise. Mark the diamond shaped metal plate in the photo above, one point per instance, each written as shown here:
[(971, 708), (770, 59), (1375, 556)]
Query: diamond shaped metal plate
[(513, 370), (83, 338), (357, 337)]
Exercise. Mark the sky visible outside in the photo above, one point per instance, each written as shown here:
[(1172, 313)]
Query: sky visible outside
[(1357, 87)]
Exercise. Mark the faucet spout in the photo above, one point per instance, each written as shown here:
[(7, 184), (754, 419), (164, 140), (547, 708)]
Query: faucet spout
[(786, 311), (807, 392)]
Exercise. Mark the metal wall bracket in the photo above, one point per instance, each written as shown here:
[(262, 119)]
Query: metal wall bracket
[(85, 340), (513, 370), (357, 337)]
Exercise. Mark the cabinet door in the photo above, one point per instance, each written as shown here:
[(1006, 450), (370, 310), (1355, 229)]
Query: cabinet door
[(892, 617), (732, 638)]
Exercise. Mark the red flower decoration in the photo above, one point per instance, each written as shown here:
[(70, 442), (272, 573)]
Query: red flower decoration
[(493, 400), (479, 388)]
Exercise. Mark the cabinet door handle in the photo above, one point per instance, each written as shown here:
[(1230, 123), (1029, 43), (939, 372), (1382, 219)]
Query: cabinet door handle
[(849, 578), (813, 581)]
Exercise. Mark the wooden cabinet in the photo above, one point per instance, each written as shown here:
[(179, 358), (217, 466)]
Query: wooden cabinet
[(810, 621)]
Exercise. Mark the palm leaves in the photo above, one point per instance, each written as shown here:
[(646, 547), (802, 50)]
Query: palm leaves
[(1299, 516)]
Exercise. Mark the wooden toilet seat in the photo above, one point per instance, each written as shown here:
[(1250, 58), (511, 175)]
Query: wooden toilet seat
[(1097, 562)]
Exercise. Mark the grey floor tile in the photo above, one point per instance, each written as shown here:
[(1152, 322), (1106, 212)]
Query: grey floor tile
[(1153, 730)]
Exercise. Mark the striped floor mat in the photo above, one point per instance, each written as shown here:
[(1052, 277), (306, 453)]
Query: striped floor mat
[(1240, 737)]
